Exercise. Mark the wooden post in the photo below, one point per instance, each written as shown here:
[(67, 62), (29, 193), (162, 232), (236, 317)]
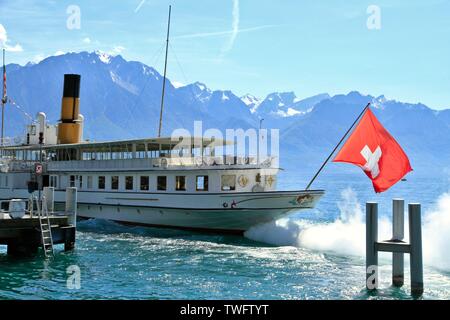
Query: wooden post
[(71, 205), (415, 235), (371, 239), (398, 218), (69, 238)]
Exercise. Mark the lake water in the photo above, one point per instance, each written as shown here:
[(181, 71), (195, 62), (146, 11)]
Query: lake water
[(316, 254)]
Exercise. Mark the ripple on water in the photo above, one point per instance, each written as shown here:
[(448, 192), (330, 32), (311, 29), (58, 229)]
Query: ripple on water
[(123, 262)]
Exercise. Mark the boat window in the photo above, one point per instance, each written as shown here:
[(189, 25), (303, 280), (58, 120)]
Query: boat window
[(140, 151), (80, 182), (180, 183), (144, 183), (101, 182), (54, 181), (72, 181), (128, 154), (202, 183), (129, 183), (89, 182), (115, 182), (45, 180), (162, 183), (228, 182)]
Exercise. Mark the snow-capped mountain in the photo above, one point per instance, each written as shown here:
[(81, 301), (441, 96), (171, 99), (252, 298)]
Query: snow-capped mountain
[(286, 104), (121, 99), (251, 101)]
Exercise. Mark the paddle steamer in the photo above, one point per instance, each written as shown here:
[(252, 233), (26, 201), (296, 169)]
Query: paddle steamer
[(152, 181)]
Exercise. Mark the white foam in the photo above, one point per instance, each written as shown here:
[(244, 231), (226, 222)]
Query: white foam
[(346, 235), (436, 234)]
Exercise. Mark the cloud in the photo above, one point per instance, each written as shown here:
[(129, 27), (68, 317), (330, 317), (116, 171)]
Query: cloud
[(87, 40), (222, 33), (4, 41), (3, 36), (139, 6), (116, 50), (234, 27), (38, 58), (233, 32), (177, 84), (16, 48)]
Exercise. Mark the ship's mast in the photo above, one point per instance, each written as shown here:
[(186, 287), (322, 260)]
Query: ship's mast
[(3, 96), (164, 80)]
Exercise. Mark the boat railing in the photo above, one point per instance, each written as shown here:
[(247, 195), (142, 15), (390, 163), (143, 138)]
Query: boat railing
[(156, 163), (17, 165)]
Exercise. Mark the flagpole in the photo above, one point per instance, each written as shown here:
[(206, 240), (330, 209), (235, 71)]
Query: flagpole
[(337, 146), (164, 80), (3, 96)]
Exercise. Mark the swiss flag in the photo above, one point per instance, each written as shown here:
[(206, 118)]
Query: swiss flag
[(372, 148)]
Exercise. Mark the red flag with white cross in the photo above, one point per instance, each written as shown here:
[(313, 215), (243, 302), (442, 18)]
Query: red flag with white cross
[(372, 148)]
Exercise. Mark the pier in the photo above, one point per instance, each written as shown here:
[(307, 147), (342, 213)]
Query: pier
[(39, 225)]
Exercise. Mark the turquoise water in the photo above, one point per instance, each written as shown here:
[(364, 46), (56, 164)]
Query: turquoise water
[(316, 254)]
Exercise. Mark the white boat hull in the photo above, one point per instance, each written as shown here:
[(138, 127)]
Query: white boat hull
[(220, 212), (217, 212), (220, 221)]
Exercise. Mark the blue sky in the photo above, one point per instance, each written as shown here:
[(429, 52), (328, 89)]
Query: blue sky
[(255, 46)]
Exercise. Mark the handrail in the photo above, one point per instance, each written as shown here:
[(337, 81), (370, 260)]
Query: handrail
[(155, 163)]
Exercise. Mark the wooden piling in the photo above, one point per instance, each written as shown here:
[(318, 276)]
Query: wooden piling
[(396, 246), (71, 205), (415, 234), (398, 218), (371, 239)]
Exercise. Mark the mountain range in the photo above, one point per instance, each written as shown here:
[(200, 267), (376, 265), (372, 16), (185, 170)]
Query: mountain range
[(121, 99)]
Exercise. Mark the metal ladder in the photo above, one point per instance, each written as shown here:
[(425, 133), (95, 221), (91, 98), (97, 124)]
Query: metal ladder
[(45, 226)]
